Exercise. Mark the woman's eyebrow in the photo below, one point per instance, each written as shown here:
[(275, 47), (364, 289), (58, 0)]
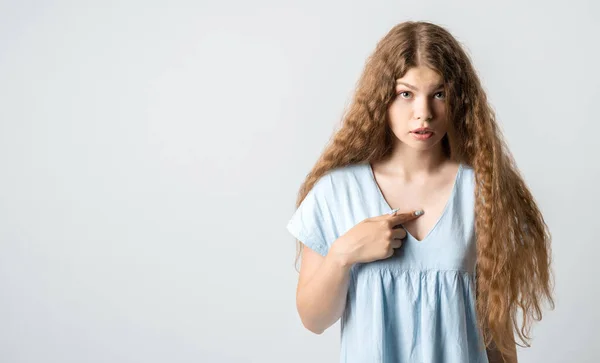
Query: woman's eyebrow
[(441, 85)]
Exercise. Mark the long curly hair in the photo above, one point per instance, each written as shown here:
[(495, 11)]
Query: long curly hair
[(513, 240)]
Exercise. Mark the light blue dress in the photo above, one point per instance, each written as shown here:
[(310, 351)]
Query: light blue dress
[(416, 306)]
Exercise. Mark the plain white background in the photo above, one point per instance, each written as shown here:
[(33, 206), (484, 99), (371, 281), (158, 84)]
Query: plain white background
[(151, 152)]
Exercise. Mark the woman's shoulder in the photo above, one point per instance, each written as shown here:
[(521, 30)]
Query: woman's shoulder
[(346, 171), (348, 176), (467, 167), (468, 172), (342, 180)]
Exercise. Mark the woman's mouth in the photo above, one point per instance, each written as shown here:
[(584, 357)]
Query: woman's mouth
[(422, 134)]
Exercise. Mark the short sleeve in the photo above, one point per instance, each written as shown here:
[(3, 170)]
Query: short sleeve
[(312, 222)]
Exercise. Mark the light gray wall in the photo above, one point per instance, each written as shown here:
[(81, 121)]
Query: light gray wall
[(150, 155)]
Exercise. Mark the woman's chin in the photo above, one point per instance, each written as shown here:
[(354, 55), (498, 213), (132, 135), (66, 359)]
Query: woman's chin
[(422, 145)]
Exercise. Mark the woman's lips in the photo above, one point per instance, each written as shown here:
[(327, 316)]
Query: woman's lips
[(423, 135)]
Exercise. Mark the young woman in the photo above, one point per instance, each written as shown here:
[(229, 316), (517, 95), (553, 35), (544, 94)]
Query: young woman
[(418, 230)]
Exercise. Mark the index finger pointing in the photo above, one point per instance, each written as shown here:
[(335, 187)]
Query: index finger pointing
[(398, 218)]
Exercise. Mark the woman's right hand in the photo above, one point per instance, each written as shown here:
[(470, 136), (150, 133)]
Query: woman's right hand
[(373, 238)]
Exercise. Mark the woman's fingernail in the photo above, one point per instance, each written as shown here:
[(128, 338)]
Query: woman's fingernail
[(419, 212), (393, 211)]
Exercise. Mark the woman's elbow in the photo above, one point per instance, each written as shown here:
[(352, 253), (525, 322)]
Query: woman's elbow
[(313, 328)]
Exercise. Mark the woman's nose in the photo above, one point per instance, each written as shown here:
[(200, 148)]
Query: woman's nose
[(423, 111)]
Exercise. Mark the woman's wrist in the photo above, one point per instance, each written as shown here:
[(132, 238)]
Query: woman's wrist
[(339, 254)]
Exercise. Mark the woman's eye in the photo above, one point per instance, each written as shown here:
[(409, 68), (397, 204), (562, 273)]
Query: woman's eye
[(401, 94), (442, 95)]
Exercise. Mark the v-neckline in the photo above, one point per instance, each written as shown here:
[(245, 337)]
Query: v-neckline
[(444, 211)]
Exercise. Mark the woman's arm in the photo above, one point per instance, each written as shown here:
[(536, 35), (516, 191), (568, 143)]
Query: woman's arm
[(322, 289)]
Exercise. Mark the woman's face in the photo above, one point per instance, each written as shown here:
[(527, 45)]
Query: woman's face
[(419, 103)]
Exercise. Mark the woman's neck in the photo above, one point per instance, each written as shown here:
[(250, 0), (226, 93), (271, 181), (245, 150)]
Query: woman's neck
[(409, 163)]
